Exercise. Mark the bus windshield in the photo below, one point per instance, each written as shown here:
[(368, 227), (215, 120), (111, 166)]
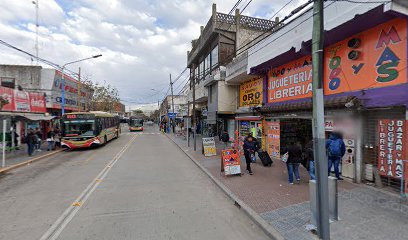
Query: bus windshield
[(79, 127), (136, 122)]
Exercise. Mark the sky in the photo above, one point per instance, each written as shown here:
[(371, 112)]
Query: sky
[(142, 42)]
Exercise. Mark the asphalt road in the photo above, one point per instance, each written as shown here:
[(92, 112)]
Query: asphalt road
[(140, 186)]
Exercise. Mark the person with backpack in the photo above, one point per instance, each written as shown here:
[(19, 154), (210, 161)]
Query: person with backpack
[(335, 150), (31, 141)]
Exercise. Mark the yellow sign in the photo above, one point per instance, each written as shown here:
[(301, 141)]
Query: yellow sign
[(209, 147), (250, 93)]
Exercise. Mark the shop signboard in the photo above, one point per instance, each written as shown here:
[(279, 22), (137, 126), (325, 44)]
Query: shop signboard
[(209, 147), (250, 93), (392, 140), (273, 139), (371, 59), (22, 101), (291, 81), (230, 162), (71, 92)]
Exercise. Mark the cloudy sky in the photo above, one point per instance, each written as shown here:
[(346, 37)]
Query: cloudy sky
[(142, 41)]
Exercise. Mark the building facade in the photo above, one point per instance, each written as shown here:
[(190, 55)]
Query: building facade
[(365, 86), (219, 41)]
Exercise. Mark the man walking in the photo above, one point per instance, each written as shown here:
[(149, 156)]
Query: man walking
[(335, 149), (39, 138), (30, 140)]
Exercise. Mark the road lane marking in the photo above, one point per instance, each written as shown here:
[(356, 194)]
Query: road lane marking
[(59, 225)]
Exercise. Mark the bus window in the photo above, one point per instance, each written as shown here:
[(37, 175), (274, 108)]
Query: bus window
[(79, 127)]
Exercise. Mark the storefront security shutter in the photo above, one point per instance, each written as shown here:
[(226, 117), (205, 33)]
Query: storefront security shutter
[(370, 138)]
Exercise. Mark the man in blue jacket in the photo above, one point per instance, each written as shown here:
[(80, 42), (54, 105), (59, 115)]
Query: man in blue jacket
[(335, 149)]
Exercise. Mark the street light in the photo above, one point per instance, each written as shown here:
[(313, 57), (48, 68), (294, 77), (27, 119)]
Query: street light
[(63, 80)]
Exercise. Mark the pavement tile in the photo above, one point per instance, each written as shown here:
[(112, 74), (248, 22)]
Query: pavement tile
[(286, 207)]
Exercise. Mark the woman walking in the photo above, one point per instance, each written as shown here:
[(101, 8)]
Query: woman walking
[(50, 140), (250, 148)]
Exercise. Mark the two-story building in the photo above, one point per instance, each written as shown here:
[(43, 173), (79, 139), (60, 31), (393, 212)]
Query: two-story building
[(216, 100)]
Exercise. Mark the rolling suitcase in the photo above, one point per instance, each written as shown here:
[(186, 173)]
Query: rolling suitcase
[(265, 158)]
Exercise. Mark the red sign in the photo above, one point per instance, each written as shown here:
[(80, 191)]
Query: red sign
[(273, 139), (21, 101), (391, 148), (231, 162)]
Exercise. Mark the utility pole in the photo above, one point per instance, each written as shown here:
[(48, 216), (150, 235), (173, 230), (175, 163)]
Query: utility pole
[(172, 105), (193, 125), (36, 28), (79, 89), (322, 192), (188, 123)]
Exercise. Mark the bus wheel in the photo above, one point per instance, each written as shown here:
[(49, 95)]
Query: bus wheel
[(105, 140)]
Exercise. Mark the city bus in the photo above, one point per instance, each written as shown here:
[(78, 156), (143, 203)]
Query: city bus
[(88, 129), (135, 124)]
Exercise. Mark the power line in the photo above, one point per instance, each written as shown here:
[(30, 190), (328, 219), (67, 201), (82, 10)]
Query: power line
[(354, 1)]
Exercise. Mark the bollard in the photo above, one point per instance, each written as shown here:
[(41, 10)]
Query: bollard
[(313, 201), (333, 199)]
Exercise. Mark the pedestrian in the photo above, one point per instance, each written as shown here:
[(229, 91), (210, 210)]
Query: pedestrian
[(30, 140), (336, 149), (225, 138), (309, 160), (57, 137), (50, 139), (38, 134), (294, 159), (249, 151)]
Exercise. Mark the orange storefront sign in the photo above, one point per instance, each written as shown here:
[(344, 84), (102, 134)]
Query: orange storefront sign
[(291, 81), (371, 59)]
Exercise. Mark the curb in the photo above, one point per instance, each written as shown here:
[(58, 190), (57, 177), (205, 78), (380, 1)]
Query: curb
[(260, 222), (9, 168)]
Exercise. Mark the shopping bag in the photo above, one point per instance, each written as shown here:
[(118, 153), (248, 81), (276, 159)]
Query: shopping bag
[(285, 157)]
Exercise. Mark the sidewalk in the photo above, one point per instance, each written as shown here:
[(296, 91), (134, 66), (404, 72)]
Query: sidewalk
[(20, 156), (286, 207)]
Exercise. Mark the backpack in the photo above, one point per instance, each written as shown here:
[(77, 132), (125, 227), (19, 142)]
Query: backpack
[(335, 148)]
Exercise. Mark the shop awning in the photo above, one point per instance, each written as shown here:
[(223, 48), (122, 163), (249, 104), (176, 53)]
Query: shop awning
[(248, 118), (306, 104), (26, 116)]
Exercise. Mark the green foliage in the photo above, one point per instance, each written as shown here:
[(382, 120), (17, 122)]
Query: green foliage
[(105, 97)]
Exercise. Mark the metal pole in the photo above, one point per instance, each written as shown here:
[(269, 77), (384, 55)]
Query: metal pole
[(193, 121), (188, 120), (36, 29), (63, 93), (172, 105), (3, 163), (79, 89), (322, 196)]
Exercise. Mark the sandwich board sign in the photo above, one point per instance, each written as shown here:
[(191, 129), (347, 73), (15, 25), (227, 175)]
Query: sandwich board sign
[(209, 147), (231, 163)]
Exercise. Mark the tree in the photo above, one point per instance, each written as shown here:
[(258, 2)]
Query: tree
[(104, 97), (3, 102), (154, 115)]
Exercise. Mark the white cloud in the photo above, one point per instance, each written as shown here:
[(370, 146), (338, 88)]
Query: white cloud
[(141, 41)]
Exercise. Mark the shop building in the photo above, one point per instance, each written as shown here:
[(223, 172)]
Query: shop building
[(211, 52), (365, 86), (34, 96)]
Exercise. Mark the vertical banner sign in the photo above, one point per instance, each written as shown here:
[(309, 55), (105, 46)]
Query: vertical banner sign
[(391, 147), (231, 162), (273, 139), (209, 147), (250, 93)]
